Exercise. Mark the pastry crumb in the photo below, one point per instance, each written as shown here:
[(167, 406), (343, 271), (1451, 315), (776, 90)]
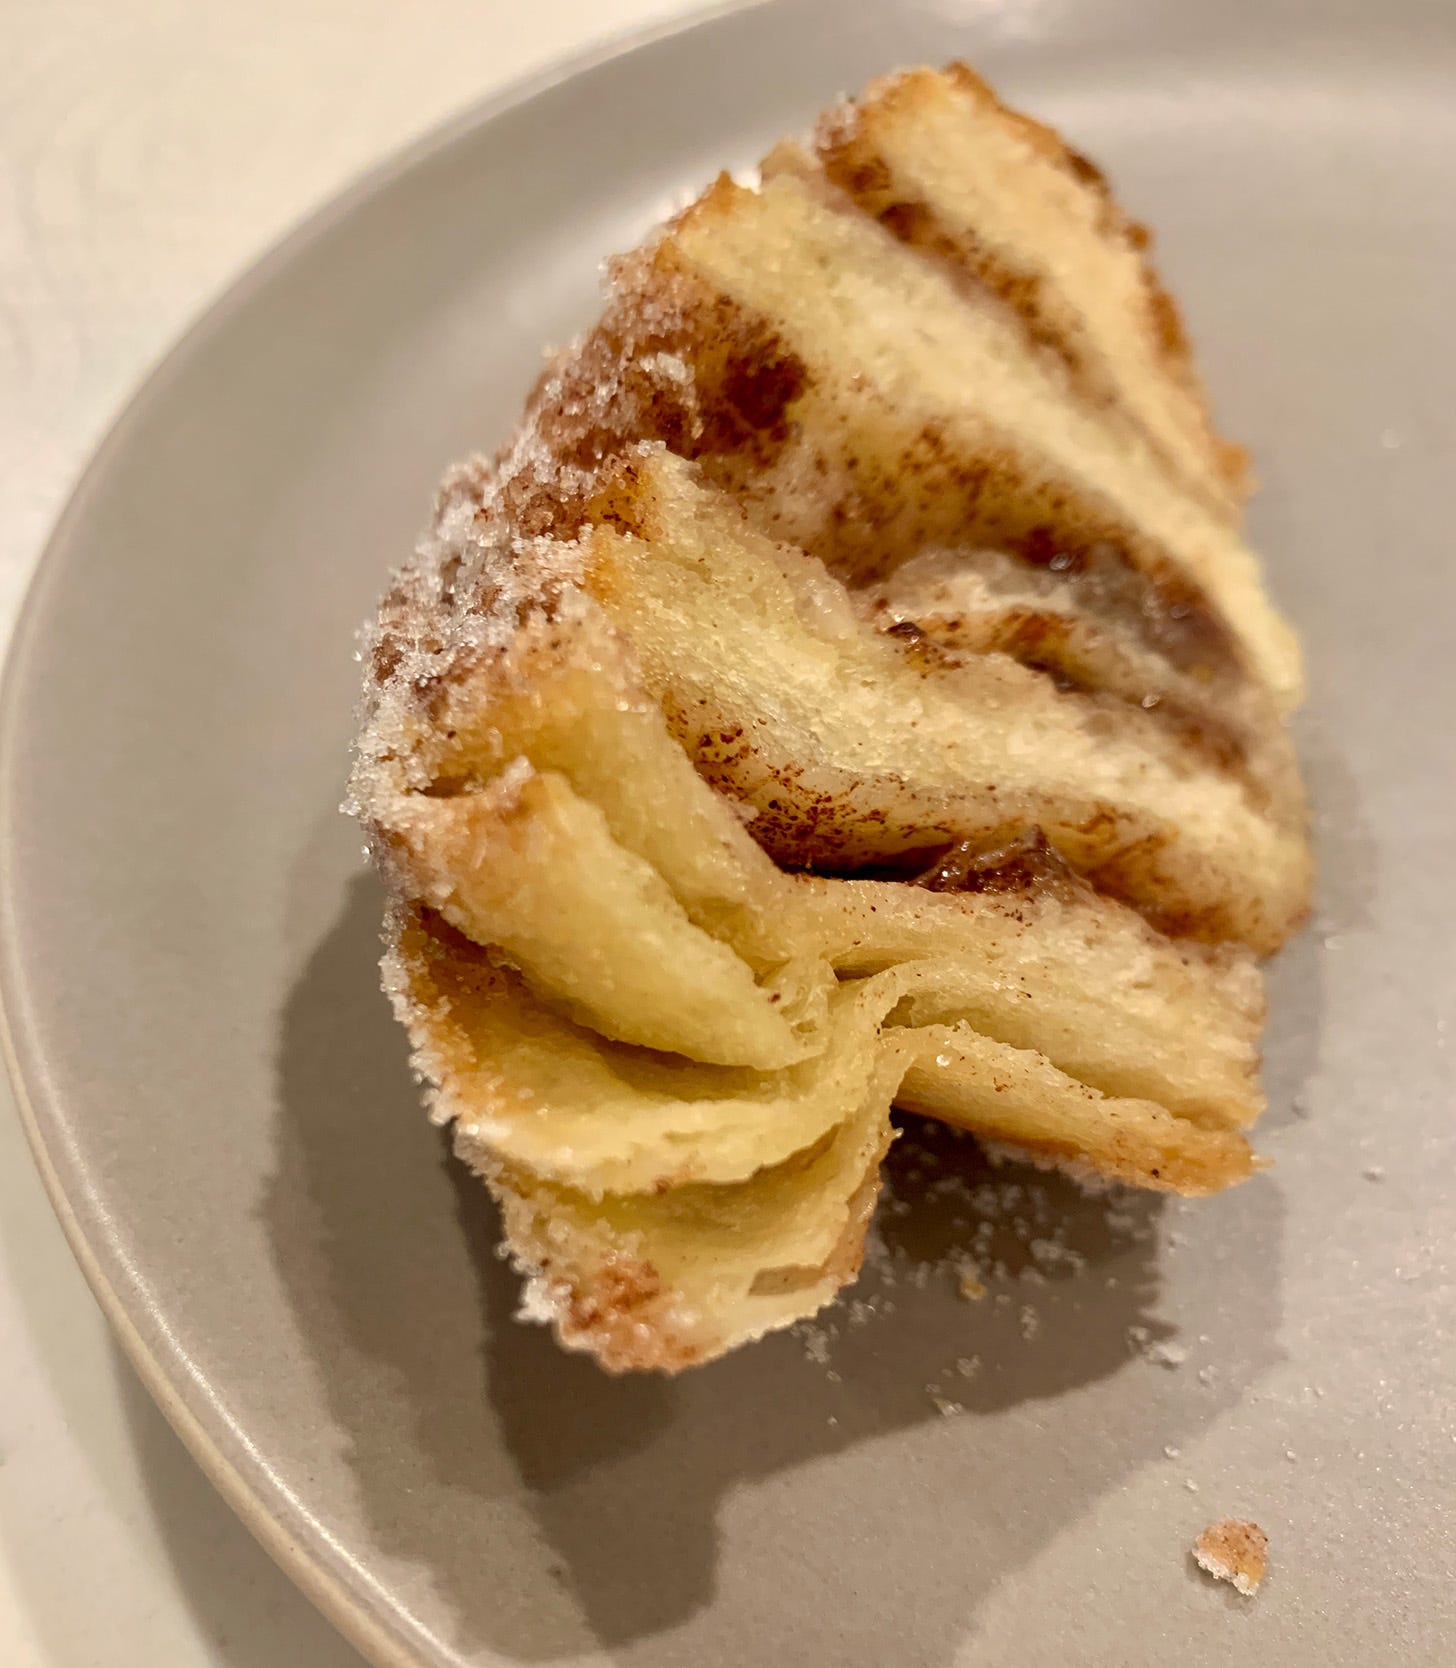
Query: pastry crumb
[(1233, 1550)]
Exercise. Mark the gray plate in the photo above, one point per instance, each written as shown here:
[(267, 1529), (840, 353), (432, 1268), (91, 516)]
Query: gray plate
[(221, 1105)]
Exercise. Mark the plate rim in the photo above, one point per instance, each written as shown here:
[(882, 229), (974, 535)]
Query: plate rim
[(298, 1559)]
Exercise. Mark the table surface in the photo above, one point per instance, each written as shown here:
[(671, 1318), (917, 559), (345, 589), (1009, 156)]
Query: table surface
[(149, 149)]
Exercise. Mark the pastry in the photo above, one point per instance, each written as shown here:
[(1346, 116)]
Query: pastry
[(849, 688)]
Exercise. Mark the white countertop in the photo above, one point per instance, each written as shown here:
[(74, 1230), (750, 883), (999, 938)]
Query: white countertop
[(149, 149)]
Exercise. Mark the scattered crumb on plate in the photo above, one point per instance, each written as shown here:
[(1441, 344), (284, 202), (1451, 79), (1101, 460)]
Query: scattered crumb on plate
[(1233, 1550)]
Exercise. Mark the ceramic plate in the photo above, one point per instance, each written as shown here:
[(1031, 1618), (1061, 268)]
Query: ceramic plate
[(221, 1104)]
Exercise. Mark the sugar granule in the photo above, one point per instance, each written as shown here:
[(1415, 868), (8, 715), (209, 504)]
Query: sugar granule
[(970, 1286), (1163, 1354)]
